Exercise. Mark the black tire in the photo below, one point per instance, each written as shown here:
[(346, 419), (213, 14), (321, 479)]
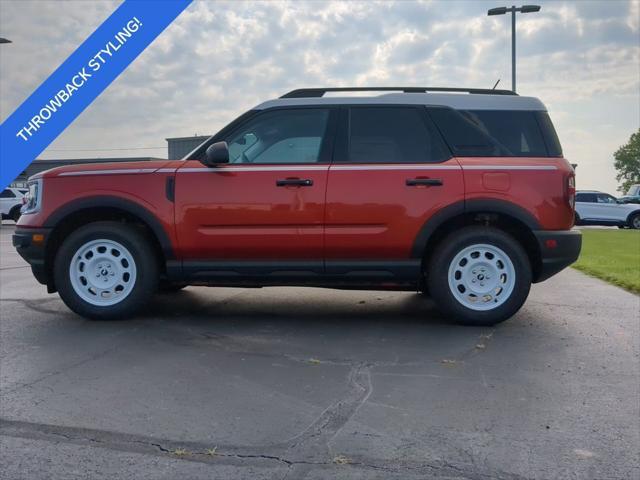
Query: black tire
[(444, 254), (146, 264), (14, 214), (634, 221), (169, 287), (576, 220)]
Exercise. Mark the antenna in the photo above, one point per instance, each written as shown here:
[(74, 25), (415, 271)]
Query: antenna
[(494, 87)]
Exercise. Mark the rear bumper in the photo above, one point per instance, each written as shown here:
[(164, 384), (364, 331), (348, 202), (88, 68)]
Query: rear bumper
[(33, 251), (558, 250)]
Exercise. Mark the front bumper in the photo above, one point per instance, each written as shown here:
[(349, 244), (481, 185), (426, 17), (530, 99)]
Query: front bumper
[(558, 250), (33, 250)]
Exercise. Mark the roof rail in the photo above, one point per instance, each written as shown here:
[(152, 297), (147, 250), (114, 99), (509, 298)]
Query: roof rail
[(319, 92)]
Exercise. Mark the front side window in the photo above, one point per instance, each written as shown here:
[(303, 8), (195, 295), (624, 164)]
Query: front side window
[(280, 136), (604, 198), (393, 135), (491, 133)]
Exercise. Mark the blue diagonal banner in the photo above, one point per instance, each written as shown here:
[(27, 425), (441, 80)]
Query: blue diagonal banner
[(80, 79)]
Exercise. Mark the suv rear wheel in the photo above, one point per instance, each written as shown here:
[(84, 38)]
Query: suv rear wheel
[(634, 221), (106, 270), (479, 275)]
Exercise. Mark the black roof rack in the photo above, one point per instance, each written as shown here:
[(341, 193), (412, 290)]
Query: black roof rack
[(319, 92)]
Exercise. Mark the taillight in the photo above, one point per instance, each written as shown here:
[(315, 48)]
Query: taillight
[(571, 191)]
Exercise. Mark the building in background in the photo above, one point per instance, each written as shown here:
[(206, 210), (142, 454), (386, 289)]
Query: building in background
[(180, 146)]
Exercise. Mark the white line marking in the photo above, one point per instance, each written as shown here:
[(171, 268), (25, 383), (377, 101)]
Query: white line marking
[(509, 167), (107, 172), (305, 168), (292, 168), (394, 167)]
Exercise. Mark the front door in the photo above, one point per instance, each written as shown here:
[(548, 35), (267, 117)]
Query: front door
[(263, 212), (391, 173)]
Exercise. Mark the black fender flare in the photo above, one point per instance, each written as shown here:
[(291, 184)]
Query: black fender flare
[(106, 201), (488, 205)]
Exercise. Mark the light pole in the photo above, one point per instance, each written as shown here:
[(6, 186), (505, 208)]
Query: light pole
[(513, 10)]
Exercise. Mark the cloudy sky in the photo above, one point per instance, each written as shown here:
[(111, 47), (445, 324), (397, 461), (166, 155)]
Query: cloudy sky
[(218, 59)]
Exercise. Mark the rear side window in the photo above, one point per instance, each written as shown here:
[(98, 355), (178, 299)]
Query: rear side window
[(393, 135), (7, 194), (494, 133), (586, 197), (549, 134)]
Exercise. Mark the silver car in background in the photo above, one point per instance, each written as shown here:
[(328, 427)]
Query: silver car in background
[(599, 208)]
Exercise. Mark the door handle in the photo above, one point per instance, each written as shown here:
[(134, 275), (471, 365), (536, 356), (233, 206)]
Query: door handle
[(294, 182), (429, 182)]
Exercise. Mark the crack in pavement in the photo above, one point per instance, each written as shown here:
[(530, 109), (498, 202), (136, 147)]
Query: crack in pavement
[(61, 370), (258, 456), (307, 451), (312, 444), (34, 303)]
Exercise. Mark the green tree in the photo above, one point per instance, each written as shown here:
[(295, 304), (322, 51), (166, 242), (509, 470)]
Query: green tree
[(627, 162)]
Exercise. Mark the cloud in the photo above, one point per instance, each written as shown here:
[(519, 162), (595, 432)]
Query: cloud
[(219, 59)]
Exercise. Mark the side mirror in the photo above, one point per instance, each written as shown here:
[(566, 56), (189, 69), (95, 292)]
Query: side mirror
[(216, 154)]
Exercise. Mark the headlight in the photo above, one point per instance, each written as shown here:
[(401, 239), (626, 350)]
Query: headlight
[(33, 200)]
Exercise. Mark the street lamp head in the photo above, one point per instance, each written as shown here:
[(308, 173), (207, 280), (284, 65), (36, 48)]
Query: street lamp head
[(497, 11), (530, 8)]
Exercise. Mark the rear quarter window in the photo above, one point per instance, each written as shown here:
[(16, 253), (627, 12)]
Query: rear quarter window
[(586, 197), (496, 133)]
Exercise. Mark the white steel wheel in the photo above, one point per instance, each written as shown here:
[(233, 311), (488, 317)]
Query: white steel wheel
[(102, 272), (481, 277)]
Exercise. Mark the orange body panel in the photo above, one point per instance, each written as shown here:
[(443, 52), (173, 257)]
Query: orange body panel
[(373, 214), (141, 183), (238, 212), (542, 193)]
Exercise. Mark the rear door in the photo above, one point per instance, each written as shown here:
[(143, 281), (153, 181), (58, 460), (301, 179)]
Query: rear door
[(586, 205), (262, 212), (7, 201), (391, 173)]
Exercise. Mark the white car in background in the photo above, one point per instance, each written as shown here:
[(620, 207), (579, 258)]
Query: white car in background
[(11, 202), (598, 208)]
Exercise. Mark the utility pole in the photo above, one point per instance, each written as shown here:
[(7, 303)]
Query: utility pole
[(513, 10)]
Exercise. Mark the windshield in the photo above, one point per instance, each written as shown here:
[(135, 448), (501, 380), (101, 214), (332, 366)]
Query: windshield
[(634, 190)]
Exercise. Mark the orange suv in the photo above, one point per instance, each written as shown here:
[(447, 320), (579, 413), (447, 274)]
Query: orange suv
[(462, 194)]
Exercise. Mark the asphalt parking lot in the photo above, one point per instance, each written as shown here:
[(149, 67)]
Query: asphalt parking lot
[(309, 383)]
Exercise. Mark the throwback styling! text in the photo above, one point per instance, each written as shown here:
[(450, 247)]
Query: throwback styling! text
[(79, 79)]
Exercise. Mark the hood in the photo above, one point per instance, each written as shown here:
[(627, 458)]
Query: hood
[(115, 168)]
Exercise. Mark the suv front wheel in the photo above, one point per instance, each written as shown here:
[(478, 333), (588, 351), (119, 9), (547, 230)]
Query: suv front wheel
[(106, 270), (479, 275)]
